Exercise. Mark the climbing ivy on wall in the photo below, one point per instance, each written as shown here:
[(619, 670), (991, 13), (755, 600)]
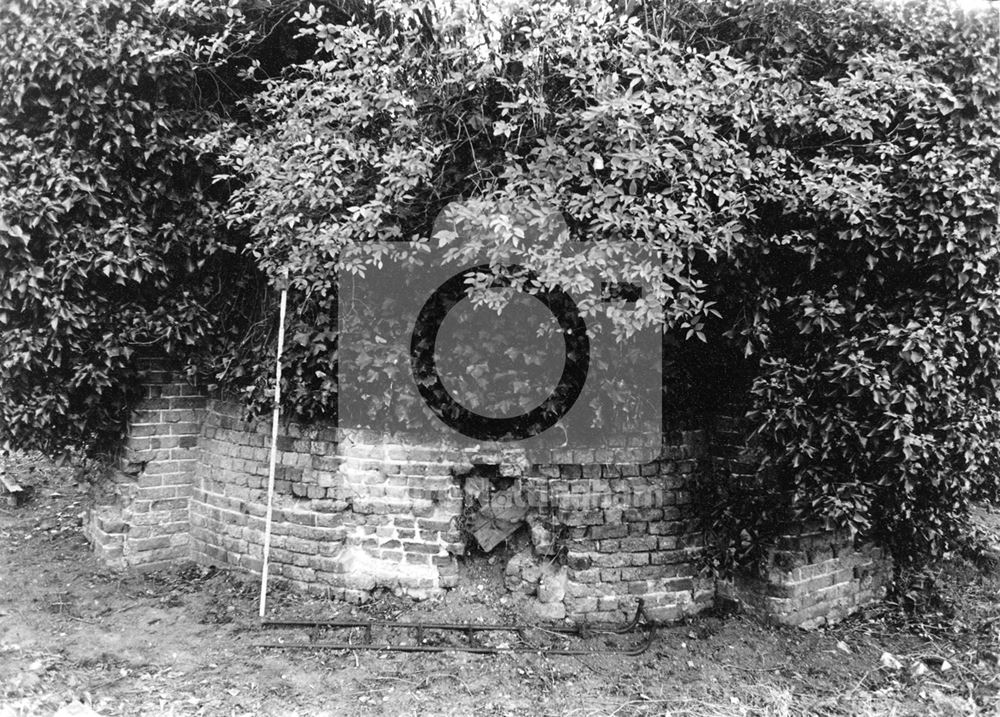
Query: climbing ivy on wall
[(109, 231), (817, 181)]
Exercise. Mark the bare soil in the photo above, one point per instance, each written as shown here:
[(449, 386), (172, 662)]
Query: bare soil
[(184, 642)]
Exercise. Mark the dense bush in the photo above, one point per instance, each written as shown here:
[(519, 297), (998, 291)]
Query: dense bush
[(113, 241), (109, 232), (817, 178), (869, 282)]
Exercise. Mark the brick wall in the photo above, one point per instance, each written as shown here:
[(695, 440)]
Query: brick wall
[(625, 531), (813, 577), (350, 513), (354, 512), (142, 520), (813, 574)]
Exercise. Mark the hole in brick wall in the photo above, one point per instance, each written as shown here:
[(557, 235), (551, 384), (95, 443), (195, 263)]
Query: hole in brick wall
[(512, 551), (493, 507), (483, 576), (520, 539)]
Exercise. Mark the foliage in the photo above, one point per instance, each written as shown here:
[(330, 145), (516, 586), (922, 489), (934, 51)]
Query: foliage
[(869, 286), (370, 139), (816, 177), (111, 243), (811, 186)]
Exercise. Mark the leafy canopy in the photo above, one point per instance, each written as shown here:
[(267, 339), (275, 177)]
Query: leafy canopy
[(813, 183), (112, 237)]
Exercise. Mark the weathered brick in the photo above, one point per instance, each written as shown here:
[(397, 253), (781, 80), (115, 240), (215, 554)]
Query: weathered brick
[(185, 429), (151, 543), (591, 575), (581, 605), (379, 494)]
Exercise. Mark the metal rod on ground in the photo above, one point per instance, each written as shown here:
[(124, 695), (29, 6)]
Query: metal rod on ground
[(274, 451)]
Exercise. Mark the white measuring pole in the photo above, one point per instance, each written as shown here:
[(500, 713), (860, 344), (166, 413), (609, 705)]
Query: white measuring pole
[(274, 451)]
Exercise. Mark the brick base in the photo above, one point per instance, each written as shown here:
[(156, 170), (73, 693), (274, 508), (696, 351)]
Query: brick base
[(812, 579), (814, 575), (142, 520), (355, 512)]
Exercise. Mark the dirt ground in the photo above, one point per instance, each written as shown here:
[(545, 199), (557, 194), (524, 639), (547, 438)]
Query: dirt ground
[(76, 635)]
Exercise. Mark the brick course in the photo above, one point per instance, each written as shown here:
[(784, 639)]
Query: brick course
[(814, 574), (354, 512), (147, 525)]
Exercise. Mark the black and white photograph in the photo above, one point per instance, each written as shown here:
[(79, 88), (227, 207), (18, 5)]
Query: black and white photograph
[(569, 358)]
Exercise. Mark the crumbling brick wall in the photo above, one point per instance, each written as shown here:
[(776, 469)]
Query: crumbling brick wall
[(350, 514), (813, 574), (354, 512), (813, 577), (625, 531), (144, 523)]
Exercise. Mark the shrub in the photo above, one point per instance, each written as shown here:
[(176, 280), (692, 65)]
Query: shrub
[(112, 242), (866, 292), (817, 177), (813, 184)]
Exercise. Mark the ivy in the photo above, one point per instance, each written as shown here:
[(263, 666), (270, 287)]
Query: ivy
[(811, 187), (817, 181), (112, 241)]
